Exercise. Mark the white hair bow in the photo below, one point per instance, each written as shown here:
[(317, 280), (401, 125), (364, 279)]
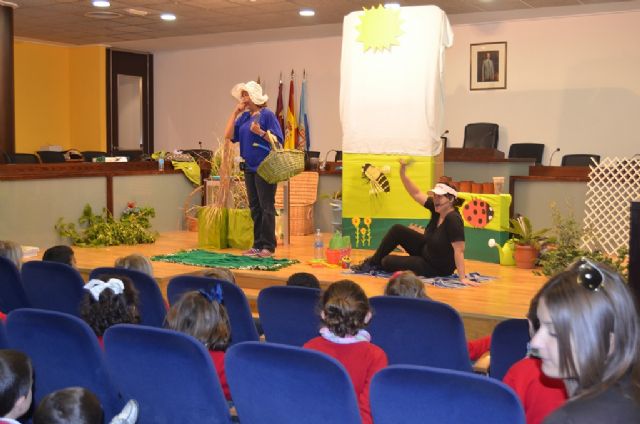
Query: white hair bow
[(96, 287)]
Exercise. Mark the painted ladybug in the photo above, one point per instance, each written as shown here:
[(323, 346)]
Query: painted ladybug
[(477, 212)]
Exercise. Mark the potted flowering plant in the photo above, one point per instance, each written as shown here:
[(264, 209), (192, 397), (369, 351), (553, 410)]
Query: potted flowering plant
[(527, 241)]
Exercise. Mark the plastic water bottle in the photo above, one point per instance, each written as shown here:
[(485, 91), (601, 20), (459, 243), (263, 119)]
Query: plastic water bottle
[(160, 164), (318, 246)]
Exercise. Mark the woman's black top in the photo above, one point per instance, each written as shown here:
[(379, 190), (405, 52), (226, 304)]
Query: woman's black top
[(437, 249)]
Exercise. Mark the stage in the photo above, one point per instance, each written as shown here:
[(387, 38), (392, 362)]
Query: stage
[(507, 296)]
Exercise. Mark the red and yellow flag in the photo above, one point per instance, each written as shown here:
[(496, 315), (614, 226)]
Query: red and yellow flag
[(291, 124), (280, 107)]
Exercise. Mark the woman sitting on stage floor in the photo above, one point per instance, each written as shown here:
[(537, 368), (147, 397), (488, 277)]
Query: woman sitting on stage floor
[(437, 252)]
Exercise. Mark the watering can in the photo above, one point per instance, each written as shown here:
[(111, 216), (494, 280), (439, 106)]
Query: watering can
[(505, 251)]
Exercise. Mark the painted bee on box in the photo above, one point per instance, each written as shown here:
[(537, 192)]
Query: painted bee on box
[(376, 178)]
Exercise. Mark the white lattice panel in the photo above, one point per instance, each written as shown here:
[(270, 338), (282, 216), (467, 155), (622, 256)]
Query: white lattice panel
[(613, 184)]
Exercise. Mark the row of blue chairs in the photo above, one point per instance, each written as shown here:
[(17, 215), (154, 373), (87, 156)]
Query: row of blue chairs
[(410, 331), (59, 287), (172, 377)]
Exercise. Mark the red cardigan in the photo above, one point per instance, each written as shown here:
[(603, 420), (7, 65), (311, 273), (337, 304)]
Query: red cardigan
[(540, 395), (218, 362), (361, 360)]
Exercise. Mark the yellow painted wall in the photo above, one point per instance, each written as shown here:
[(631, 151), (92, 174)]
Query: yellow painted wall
[(60, 96), (41, 74), (88, 104)]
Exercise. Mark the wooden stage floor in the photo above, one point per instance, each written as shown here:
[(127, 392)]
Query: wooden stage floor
[(507, 296)]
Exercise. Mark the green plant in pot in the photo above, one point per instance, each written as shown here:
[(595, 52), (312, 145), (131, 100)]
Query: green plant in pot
[(569, 242), (527, 241)]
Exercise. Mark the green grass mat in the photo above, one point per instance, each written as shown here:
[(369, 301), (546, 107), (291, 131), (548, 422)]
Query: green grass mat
[(205, 258)]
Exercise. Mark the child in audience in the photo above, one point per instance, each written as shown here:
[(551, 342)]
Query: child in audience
[(540, 395), (345, 312), (71, 405), (303, 279), (62, 254), (223, 274), (201, 314), (12, 251), (16, 380), (590, 338), (135, 262), (77, 405), (109, 300), (407, 284)]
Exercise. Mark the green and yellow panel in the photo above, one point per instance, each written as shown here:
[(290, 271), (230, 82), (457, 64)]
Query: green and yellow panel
[(374, 199)]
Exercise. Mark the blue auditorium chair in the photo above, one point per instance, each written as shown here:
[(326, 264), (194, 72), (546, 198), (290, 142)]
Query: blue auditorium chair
[(419, 332), (289, 314), (170, 374), (152, 306), (12, 295), (417, 394), (53, 286), (508, 345), (273, 383), (65, 352), (243, 328), (4, 342)]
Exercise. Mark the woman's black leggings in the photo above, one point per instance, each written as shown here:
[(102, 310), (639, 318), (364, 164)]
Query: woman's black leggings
[(413, 243)]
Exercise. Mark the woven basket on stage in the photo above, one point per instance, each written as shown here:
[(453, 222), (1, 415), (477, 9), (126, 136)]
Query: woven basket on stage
[(281, 164), (303, 192)]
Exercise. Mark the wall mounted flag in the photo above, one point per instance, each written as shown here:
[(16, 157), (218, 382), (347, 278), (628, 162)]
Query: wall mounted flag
[(304, 141), (279, 107), (290, 130)]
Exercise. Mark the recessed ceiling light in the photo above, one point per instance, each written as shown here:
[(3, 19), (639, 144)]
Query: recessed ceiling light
[(307, 12), (101, 3), (392, 5), (168, 17)]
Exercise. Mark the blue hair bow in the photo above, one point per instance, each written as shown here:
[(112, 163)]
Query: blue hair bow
[(214, 294)]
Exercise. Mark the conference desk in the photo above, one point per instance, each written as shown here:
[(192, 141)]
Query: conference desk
[(34, 196), (533, 194), (481, 165)]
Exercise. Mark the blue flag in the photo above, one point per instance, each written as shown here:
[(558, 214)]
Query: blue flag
[(304, 140)]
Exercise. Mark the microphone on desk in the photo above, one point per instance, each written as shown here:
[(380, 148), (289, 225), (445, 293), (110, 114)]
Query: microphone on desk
[(551, 157), (323, 164), (443, 138)]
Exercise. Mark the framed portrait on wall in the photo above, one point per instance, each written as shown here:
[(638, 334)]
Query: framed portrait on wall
[(488, 66)]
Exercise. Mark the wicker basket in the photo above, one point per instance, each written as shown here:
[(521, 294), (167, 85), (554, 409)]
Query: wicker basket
[(190, 208), (303, 192), (280, 164)]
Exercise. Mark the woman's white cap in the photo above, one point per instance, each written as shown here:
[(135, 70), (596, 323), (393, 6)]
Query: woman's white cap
[(442, 189), (253, 89)]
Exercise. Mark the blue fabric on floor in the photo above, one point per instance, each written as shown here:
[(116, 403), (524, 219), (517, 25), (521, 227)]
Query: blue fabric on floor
[(449, 282)]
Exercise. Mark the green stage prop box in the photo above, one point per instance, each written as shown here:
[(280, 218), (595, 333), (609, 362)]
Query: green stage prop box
[(375, 199)]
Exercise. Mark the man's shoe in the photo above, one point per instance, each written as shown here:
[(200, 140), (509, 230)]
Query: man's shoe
[(251, 252), (128, 415)]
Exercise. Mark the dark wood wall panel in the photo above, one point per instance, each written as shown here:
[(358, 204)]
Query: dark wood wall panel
[(7, 108)]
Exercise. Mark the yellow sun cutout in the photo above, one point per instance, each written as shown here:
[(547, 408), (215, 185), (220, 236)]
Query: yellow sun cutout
[(379, 28)]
